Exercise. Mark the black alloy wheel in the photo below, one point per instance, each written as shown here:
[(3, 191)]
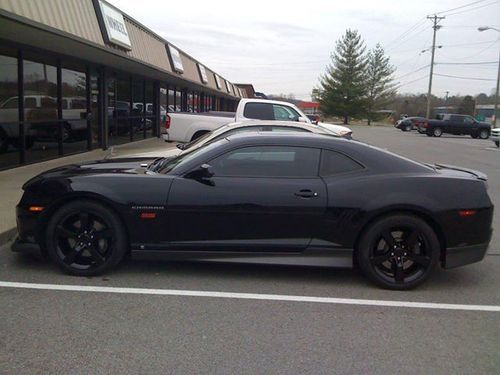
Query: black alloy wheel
[(484, 134), (85, 239), (437, 132), (398, 252), (408, 128)]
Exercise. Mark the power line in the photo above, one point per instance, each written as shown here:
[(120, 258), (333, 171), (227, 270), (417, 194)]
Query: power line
[(412, 28), (471, 9), (460, 7), (410, 73), (460, 77), (412, 81), (467, 63)]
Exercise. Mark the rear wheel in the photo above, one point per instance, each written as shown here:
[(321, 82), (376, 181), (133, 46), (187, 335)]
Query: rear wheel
[(398, 252), (85, 239), (437, 132), (408, 128)]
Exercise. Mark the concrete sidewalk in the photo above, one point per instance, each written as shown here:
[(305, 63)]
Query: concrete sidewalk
[(11, 180)]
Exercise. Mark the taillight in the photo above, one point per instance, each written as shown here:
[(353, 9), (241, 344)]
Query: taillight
[(167, 122), (466, 213), (426, 124)]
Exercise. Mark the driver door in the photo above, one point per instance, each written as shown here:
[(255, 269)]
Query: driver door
[(259, 198)]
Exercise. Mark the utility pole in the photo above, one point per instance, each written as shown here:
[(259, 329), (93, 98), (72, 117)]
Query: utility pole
[(435, 19), (445, 102)]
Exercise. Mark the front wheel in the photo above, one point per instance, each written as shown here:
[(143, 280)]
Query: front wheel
[(484, 134), (398, 252), (85, 239)]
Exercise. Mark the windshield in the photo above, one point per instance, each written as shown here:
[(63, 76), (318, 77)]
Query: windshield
[(196, 141), (168, 165)]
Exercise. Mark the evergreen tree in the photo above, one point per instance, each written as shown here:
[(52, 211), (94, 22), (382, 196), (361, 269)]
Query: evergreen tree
[(379, 80), (342, 90), (467, 106)]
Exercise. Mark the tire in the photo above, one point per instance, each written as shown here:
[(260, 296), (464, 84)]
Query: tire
[(408, 128), (437, 132), (85, 239), (429, 134), (404, 260), (474, 135), (484, 134)]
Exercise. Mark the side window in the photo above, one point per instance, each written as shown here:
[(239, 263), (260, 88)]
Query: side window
[(259, 111), (285, 113), (334, 163), (457, 119), (30, 103), (468, 120), (268, 161)]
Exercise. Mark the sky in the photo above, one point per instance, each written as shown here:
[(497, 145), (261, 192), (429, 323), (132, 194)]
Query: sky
[(283, 47)]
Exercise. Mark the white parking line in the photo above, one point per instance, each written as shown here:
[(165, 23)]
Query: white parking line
[(251, 296)]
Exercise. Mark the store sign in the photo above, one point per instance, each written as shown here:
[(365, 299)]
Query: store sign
[(203, 73), (217, 81), (116, 30), (175, 57)]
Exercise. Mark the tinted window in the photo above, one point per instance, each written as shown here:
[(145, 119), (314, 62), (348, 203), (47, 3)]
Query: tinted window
[(268, 161), (285, 113), (334, 163), (259, 111)]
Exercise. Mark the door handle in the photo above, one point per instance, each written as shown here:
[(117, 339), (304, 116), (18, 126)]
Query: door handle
[(306, 193)]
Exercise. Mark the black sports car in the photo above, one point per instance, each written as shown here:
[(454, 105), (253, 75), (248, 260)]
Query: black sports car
[(272, 198)]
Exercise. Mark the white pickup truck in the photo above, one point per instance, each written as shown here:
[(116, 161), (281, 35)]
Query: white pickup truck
[(186, 127)]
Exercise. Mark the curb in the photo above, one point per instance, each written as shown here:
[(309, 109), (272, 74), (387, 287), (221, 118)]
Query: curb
[(7, 236)]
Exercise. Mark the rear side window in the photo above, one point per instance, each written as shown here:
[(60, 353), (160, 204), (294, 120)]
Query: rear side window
[(268, 161), (259, 111), (333, 163)]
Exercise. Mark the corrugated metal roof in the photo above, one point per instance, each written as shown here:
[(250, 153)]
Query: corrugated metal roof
[(76, 17)]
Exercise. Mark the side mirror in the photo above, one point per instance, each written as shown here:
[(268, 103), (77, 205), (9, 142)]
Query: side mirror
[(202, 172)]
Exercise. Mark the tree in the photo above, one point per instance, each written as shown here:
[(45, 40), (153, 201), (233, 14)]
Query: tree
[(342, 90), (380, 87), (467, 106)]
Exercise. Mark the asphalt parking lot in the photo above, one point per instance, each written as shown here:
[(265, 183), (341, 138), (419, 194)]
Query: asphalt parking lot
[(164, 327)]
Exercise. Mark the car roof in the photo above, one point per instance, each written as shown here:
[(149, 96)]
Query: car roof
[(306, 139)]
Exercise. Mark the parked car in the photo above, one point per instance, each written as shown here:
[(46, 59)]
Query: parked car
[(315, 119), (186, 127), (240, 127), (291, 198), (458, 125), (495, 136), (409, 123)]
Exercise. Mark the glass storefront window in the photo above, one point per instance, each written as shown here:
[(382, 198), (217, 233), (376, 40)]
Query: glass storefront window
[(74, 111), (149, 112), (9, 114), (41, 126)]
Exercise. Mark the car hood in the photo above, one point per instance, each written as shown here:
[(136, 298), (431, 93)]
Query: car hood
[(131, 165), (337, 129)]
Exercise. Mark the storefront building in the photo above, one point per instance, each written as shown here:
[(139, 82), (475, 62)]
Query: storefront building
[(77, 75)]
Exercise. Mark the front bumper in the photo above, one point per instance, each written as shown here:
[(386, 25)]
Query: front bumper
[(461, 256), (20, 246)]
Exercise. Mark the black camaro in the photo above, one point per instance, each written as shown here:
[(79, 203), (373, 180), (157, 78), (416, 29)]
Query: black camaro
[(268, 198)]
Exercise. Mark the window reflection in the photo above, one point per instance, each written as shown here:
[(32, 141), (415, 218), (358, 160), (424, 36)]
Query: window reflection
[(9, 126), (40, 100), (74, 110)]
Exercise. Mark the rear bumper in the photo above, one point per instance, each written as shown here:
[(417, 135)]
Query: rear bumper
[(463, 255)]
